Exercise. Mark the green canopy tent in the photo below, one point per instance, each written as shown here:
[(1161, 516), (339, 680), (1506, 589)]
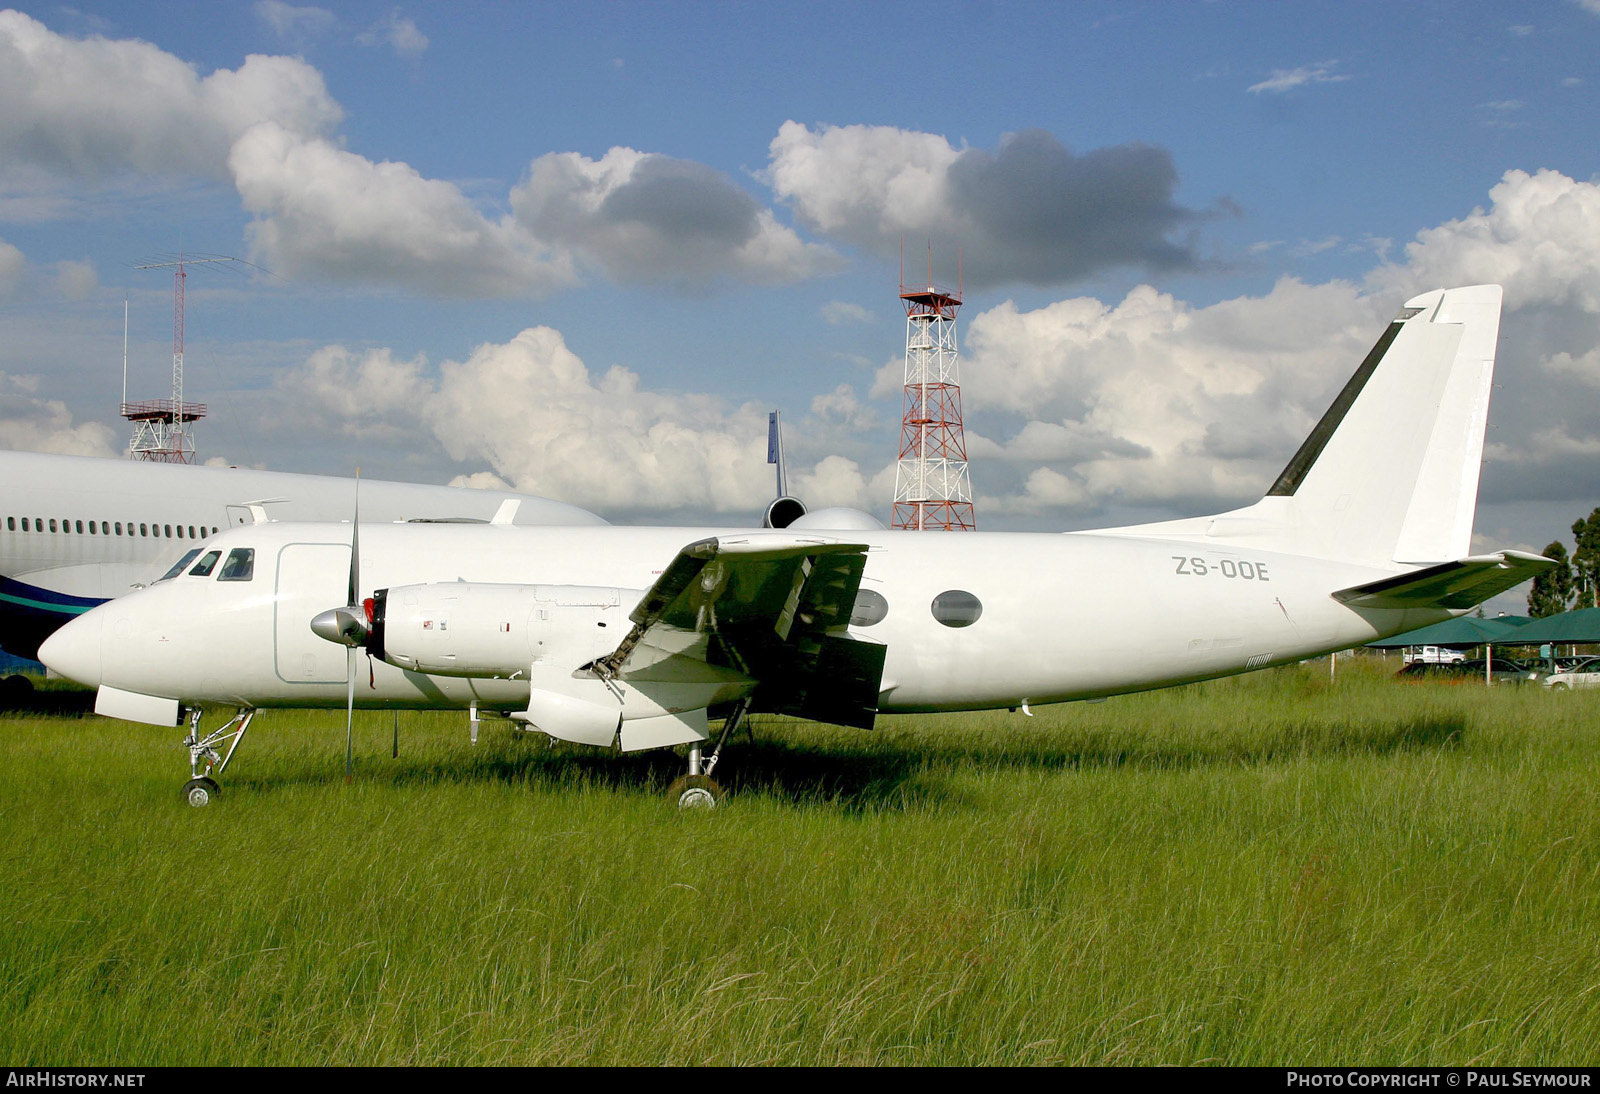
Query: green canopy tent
[(1573, 628), (1456, 633)]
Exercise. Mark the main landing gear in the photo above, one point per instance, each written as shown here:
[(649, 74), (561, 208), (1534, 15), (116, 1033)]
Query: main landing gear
[(201, 790), (698, 790)]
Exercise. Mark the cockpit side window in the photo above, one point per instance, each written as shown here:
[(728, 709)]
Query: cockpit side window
[(241, 565), (206, 564), (180, 565)]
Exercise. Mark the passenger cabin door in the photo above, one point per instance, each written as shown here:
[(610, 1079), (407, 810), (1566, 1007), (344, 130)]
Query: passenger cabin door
[(312, 577)]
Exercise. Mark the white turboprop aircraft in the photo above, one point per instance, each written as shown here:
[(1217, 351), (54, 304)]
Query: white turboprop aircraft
[(76, 531), (635, 637)]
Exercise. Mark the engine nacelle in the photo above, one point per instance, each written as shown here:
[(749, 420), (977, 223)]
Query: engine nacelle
[(468, 628), (783, 512)]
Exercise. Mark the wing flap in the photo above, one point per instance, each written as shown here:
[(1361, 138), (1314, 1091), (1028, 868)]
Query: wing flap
[(770, 607), (1455, 585)]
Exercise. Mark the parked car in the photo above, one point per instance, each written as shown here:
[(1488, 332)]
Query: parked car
[(1585, 674), (1501, 671)]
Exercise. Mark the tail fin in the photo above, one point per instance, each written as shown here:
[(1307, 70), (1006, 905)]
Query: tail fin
[(1390, 474)]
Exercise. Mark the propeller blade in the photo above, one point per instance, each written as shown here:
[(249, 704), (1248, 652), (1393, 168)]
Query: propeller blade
[(350, 715), (355, 546), (352, 632)]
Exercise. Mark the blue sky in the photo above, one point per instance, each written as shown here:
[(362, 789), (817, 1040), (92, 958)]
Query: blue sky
[(581, 249)]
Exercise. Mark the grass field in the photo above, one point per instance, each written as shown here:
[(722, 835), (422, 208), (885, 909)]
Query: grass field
[(1270, 870)]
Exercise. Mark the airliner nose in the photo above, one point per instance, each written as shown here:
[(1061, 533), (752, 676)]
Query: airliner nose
[(74, 650)]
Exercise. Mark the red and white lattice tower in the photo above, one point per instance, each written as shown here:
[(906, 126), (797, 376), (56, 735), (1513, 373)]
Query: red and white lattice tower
[(931, 488), (161, 426)]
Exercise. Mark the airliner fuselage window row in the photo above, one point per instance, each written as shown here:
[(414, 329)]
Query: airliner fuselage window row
[(110, 528)]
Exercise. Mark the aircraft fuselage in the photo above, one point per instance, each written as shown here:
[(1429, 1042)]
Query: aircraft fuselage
[(1043, 617)]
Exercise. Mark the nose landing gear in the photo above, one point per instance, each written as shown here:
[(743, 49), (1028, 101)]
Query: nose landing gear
[(201, 789)]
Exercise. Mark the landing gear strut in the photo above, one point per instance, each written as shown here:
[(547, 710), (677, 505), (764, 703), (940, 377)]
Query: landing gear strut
[(201, 789), (697, 789)]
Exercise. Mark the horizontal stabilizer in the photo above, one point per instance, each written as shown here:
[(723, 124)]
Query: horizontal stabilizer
[(1455, 585)]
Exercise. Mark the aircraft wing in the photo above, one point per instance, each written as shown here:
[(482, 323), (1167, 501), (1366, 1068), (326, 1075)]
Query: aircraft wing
[(1455, 585), (770, 606)]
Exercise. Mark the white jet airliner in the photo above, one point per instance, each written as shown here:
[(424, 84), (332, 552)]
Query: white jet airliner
[(76, 531), (635, 638)]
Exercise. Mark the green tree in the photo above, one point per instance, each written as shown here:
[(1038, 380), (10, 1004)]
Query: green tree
[(1586, 561), (1551, 590)]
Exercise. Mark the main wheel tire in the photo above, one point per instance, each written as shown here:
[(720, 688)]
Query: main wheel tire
[(200, 792), (695, 792)]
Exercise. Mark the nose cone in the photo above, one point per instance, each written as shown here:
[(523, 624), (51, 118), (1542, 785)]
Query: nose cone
[(74, 650)]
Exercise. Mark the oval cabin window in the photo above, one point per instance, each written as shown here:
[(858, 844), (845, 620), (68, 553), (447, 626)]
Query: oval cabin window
[(957, 608), (870, 608)]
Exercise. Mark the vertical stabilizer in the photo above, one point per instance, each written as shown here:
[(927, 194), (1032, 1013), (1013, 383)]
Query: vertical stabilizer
[(1390, 473), (1389, 476)]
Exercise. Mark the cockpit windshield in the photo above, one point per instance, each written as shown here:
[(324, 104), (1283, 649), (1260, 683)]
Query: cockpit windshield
[(241, 565), (179, 566)]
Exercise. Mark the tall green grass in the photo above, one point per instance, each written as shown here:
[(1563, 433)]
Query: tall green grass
[(1265, 870)]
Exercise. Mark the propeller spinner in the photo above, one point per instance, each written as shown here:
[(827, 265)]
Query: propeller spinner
[(350, 625)]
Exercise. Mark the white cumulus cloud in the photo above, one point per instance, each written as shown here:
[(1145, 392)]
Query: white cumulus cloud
[(323, 212), (1540, 238), (529, 413), (94, 109)]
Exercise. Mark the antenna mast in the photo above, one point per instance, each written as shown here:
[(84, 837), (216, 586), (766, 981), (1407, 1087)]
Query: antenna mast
[(161, 426)]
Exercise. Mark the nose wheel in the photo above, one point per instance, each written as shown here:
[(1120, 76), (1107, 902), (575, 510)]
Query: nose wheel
[(200, 792)]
